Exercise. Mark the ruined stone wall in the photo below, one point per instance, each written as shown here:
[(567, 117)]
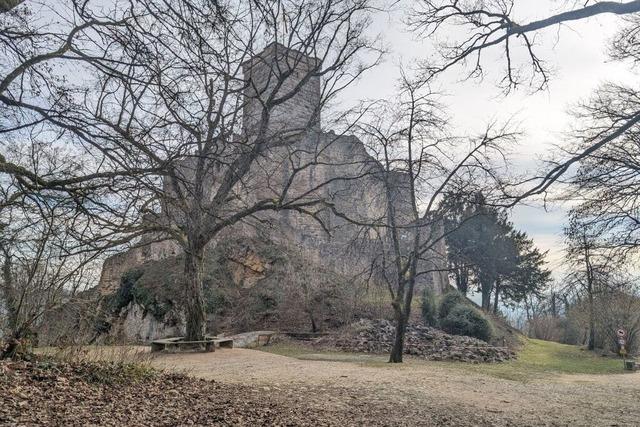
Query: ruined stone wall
[(344, 185), (115, 266), (279, 71), (330, 168)]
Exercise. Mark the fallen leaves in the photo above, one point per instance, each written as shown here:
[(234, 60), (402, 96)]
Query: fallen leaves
[(59, 393)]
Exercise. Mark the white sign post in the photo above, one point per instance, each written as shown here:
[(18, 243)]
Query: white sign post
[(622, 342)]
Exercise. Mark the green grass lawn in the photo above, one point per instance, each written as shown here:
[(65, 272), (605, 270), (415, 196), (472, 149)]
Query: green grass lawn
[(539, 358), (536, 359)]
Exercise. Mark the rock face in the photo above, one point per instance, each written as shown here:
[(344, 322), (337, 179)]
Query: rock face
[(115, 266), (376, 336), (142, 327)]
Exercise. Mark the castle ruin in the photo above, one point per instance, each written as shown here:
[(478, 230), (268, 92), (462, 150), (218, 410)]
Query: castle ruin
[(331, 240)]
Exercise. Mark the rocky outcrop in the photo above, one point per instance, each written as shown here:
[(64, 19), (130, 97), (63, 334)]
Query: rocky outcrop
[(137, 325), (376, 336), (117, 265)]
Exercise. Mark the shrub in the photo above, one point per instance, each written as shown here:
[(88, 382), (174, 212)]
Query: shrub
[(465, 320), (449, 301), (110, 373), (429, 314), (124, 295), (132, 289)]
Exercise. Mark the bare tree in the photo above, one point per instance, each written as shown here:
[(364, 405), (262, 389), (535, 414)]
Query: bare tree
[(420, 164), (592, 270), (617, 309), (39, 273), (607, 183), (490, 24), (186, 117)]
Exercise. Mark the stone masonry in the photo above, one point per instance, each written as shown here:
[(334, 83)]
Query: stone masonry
[(336, 168)]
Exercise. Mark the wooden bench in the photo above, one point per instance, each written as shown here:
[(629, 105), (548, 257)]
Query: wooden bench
[(178, 344), (307, 336)]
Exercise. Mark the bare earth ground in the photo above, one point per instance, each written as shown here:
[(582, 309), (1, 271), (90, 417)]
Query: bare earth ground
[(252, 387), (420, 392)]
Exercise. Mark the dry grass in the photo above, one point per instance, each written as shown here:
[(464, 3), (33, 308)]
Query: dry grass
[(551, 384), (96, 353)]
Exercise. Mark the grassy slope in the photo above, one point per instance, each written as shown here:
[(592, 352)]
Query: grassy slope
[(539, 358), (536, 360)]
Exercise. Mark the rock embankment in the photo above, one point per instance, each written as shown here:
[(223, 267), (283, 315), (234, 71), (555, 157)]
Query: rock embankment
[(376, 336)]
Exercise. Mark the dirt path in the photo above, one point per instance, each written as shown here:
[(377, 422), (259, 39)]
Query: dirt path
[(426, 387)]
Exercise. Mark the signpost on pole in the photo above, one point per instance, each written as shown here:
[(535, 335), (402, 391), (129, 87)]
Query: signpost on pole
[(622, 343)]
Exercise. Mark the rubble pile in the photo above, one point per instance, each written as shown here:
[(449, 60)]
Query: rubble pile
[(376, 336)]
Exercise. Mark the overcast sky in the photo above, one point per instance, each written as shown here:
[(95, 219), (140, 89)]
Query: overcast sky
[(578, 53)]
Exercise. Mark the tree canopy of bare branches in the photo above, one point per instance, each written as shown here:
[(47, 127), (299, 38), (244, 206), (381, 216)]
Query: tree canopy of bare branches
[(172, 107), (491, 24), (421, 164)]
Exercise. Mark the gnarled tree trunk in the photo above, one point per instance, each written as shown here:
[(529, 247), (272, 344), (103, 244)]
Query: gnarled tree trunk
[(398, 342), (194, 298)]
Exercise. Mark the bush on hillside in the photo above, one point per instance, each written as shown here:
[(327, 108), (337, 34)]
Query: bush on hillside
[(429, 311), (465, 320), (131, 290), (124, 295), (449, 301)]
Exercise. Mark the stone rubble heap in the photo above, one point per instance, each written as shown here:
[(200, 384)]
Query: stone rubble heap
[(376, 336)]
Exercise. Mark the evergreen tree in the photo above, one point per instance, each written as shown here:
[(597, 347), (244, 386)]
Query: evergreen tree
[(487, 253)]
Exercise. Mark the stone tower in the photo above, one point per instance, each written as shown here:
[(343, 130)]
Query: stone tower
[(7, 5), (288, 68)]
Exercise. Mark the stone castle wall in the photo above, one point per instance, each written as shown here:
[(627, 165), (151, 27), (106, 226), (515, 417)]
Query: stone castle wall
[(314, 166), (347, 177), (294, 73)]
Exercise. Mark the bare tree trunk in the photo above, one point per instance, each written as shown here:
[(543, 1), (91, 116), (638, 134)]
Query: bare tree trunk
[(314, 326), (15, 332), (463, 286), (402, 310), (592, 323), (401, 325), (398, 342), (194, 299), (9, 295), (462, 280), (591, 345)]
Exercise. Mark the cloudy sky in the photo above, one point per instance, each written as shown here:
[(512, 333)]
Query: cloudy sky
[(578, 55)]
